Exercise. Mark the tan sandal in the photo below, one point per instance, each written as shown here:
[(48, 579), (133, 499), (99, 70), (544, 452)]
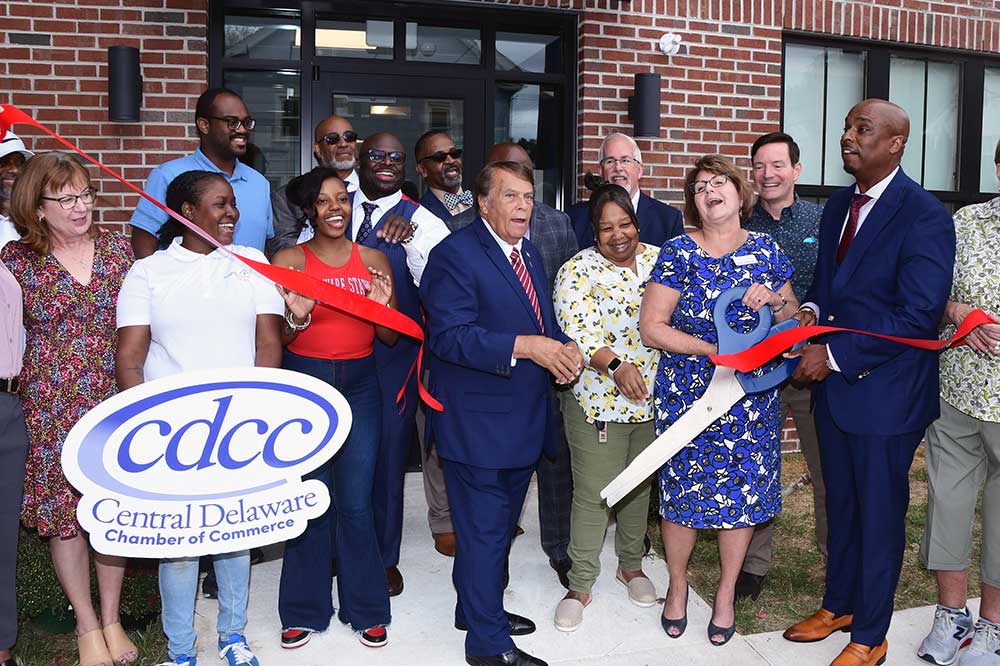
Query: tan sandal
[(93, 651), (119, 644)]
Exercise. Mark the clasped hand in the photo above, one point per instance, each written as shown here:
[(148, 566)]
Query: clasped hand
[(564, 361)]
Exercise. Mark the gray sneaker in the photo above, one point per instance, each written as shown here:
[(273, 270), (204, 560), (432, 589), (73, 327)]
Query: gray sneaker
[(951, 632), (985, 648)]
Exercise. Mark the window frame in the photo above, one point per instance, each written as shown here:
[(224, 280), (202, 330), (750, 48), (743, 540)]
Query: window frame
[(972, 67), (490, 19)]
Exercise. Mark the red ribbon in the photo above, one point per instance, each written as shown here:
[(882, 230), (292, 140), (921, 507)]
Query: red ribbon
[(762, 352), (296, 281)]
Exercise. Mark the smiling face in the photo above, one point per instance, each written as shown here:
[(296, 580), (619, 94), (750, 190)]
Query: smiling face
[(215, 211), (382, 177), (617, 235), (614, 171), (67, 224), (339, 155), (719, 203), (446, 175), (875, 133), (10, 167), (507, 207), (774, 175), (216, 137), (332, 212)]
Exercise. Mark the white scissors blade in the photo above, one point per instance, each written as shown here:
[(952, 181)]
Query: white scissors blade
[(722, 393)]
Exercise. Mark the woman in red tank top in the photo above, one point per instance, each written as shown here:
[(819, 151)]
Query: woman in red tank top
[(337, 348)]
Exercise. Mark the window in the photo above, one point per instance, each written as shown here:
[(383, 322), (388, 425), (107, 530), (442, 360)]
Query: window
[(355, 39), (530, 115), (431, 43), (950, 97), (517, 52), (262, 37), (929, 93), (814, 114)]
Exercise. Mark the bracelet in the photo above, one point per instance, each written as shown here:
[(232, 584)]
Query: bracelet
[(297, 327), (413, 231), (784, 302)]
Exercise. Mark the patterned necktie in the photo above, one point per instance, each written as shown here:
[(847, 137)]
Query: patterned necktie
[(857, 201), (522, 274), (451, 201), (366, 224)]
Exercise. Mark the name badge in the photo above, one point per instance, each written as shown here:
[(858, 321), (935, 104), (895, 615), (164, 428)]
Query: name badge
[(745, 260)]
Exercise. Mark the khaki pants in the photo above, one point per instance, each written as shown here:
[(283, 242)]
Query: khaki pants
[(796, 401), (963, 455), (594, 465)]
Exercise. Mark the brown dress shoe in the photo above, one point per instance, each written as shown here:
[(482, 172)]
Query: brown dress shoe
[(395, 581), (856, 654), (817, 626), (444, 543)]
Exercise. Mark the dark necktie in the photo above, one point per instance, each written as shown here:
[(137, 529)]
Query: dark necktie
[(366, 224), (522, 274), (857, 201)]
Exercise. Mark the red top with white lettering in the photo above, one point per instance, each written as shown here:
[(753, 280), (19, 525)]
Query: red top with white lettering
[(334, 335)]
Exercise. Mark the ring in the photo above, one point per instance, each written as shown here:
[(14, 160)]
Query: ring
[(997, 346)]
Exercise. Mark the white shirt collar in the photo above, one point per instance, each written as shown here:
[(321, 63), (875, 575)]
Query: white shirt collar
[(876, 190), (384, 203), (635, 201), (181, 253), (505, 247), (352, 181)]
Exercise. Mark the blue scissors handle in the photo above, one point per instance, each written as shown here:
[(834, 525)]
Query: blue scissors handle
[(731, 342)]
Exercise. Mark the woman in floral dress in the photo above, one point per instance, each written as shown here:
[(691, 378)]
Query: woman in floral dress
[(70, 274)]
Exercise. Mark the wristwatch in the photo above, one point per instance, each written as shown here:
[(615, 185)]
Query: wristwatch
[(614, 365)]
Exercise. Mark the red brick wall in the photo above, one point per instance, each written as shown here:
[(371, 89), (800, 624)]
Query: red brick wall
[(54, 64)]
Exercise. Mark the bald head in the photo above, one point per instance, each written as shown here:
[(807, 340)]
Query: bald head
[(509, 152), (334, 144), (875, 134)]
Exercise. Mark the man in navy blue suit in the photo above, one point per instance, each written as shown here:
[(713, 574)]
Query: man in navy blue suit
[(495, 348), (886, 254), (621, 163), (439, 162)]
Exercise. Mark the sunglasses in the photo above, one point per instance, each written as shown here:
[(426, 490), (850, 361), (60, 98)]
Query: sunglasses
[(440, 156), (333, 137), (395, 156)]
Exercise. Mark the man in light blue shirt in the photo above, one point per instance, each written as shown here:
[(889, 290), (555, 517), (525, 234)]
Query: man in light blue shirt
[(223, 123)]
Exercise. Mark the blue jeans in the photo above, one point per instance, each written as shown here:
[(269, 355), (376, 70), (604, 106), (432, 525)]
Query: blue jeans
[(178, 586), (348, 536)]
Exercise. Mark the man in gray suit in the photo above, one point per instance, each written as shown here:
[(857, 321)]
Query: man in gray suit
[(551, 232)]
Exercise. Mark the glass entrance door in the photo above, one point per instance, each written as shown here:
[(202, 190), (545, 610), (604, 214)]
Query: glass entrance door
[(408, 108)]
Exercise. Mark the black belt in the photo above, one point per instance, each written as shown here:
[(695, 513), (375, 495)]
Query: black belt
[(10, 384)]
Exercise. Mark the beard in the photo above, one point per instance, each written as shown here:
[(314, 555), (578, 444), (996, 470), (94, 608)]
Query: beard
[(344, 165), (451, 179)]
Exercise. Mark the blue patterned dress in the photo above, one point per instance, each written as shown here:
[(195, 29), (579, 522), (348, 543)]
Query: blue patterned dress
[(730, 475)]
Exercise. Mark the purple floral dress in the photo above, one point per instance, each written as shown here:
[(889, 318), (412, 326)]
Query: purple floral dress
[(69, 365)]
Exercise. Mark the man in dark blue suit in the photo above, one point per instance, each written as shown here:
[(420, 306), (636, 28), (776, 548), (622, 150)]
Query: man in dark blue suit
[(621, 163), (494, 347), (886, 254), (439, 162)]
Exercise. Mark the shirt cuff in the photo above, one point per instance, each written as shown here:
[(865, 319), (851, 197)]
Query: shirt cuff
[(811, 306), (831, 361)]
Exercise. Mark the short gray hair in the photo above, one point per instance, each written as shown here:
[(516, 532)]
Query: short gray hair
[(636, 153)]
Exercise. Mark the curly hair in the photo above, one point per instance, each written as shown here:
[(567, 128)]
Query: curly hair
[(721, 166)]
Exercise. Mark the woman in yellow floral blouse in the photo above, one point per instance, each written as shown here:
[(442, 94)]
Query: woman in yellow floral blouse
[(963, 449), (608, 416)]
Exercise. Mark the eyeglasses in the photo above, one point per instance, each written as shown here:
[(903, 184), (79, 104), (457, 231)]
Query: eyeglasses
[(699, 186), (440, 156), (68, 202), (333, 137), (233, 123), (395, 156), (623, 161)]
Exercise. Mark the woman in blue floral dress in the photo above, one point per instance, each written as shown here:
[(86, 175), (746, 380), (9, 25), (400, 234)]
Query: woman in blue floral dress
[(729, 478)]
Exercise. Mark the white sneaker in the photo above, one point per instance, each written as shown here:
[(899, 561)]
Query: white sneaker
[(950, 633), (985, 648)]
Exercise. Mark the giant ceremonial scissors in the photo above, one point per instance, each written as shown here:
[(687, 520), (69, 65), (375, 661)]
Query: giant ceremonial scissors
[(727, 387)]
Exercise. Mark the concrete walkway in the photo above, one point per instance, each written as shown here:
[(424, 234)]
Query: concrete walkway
[(614, 632)]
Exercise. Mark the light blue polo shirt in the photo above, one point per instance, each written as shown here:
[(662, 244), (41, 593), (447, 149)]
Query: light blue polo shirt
[(253, 198)]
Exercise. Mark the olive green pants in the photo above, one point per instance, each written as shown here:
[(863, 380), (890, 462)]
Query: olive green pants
[(595, 464)]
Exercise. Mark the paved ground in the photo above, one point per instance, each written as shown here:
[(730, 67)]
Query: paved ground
[(614, 632)]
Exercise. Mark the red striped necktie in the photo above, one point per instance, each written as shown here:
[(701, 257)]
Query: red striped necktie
[(522, 274)]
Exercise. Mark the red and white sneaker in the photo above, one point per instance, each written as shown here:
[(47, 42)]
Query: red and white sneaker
[(375, 637), (295, 638)]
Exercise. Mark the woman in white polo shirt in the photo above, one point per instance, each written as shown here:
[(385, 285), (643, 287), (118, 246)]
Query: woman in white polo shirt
[(193, 307)]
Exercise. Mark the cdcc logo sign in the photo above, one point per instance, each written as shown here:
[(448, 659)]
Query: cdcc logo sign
[(205, 462)]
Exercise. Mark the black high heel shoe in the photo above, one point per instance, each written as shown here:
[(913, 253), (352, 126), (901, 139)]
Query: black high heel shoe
[(716, 630), (681, 624)]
